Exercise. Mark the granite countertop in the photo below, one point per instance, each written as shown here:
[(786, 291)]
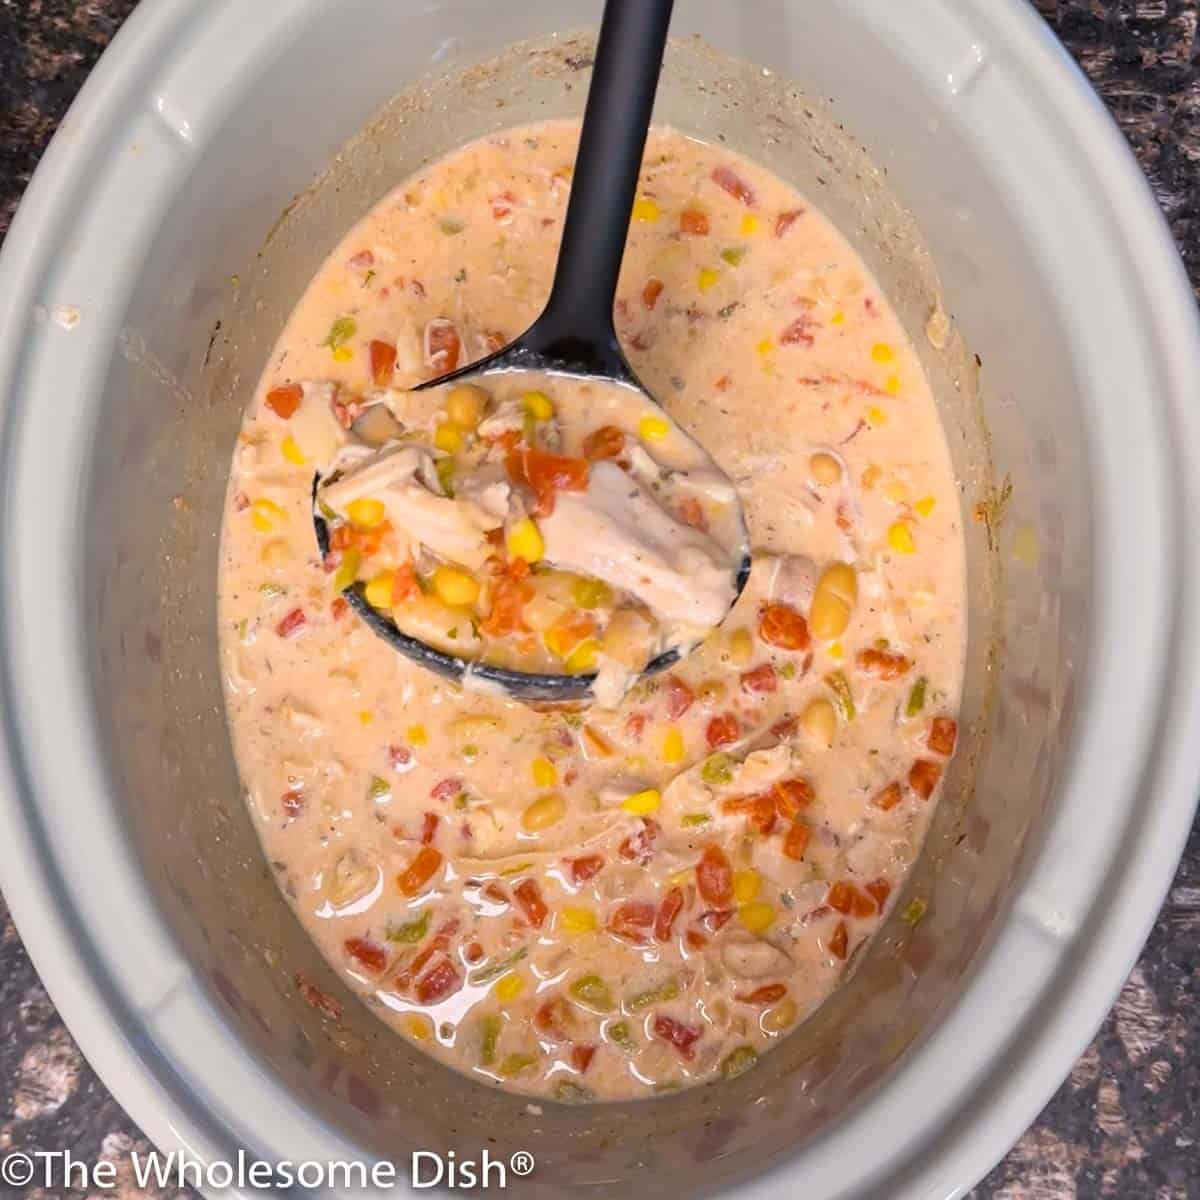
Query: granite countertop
[(1126, 1123)]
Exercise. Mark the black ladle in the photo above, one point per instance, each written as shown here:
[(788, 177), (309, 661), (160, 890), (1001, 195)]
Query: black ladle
[(575, 335)]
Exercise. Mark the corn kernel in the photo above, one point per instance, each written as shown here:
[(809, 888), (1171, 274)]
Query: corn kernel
[(525, 541), (266, 516), (765, 347), (819, 721), (449, 438), (365, 514), (455, 587), (577, 920), (836, 651), (749, 224), (871, 476), (583, 658), (895, 491), (882, 353), (416, 735), (653, 429), (645, 210), (876, 416), (543, 812), (925, 505), (544, 774), (465, 405), (900, 538), (672, 749), (741, 646), (418, 1027), (381, 589), (642, 804), (591, 593), (777, 1019), (892, 385), (275, 554), (538, 405), (833, 602), (343, 354), (707, 279), (682, 878), (292, 452), (825, 469), (757, 916), (509, 987), (746, 886), (838, 318), (365, 716)]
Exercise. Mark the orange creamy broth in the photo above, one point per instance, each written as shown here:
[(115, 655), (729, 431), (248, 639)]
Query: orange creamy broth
[(606, 904)]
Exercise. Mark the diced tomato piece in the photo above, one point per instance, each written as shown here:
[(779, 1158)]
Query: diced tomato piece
[(546, 474), (583, 869), (440, 981), (607, 442), (846, 898), (691, 512), (554, 1018), (362, 260), (494, 891), (722, 731), (529, 898), (442, 345), (419, 872), (429, 828), (943, 734), (781, 625), (404, 583), (581, 1058), (760, 810), (318, 999), (693, 221), (695, 939), (635, 725), (639, 847), (730, 181), (473, 953), (679, 696), (785, 727), (383, 362), (339, 608), (283, 401), (770, 993), (724, 383), (879, 890), (502, 205), (792, 795), (447, 790), (799, 332), (760, 680), (292, 624), (342, 537), (786, 220), (838, 941), (293, 802), (369, 956), (714, 876), (923, 777), (651, 292), (715, 919), (631, 920), (668, 910), (682, 1037), (795, 841), (509, 597), (883, 665), (369, 542), (889, 797)]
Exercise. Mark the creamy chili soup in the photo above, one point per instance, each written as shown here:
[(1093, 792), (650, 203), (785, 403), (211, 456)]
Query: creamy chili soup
[(646, 892)]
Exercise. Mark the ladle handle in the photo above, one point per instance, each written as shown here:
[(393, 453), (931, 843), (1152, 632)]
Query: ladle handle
[(629, 53)]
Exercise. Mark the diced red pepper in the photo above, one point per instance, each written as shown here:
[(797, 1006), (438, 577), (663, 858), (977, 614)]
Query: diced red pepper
[(383, 362), (508, 599), (682, 1037), (670, 908), (639, 847), (651, 292), (795, 841), (943, 734), (419, 872), (449, 789), (429, 828), (791, 796), (370, 957), (785, 727), (730, 181), (635, 725), (440, 981), (879, 890), (607, 442), (781, 625), (760, 680), (502, 205), (722, 731), (338, 608), (923, 777), (583, 869), (401, 758), (760, 811), (838, 941), (889, 797), (293, 802), (581, 1057), (473, 953), (554, 1017), (693, 221), (342, 537), (786, 220), (362, 260), (691, 512), (678, 695), (846, 898), (714, 876), (283, 401), (799, 332), (695, 939), (546, 474), (442, 345), (529, 898), (292, 624), (883, 665), (632, 920), (770, 993)]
